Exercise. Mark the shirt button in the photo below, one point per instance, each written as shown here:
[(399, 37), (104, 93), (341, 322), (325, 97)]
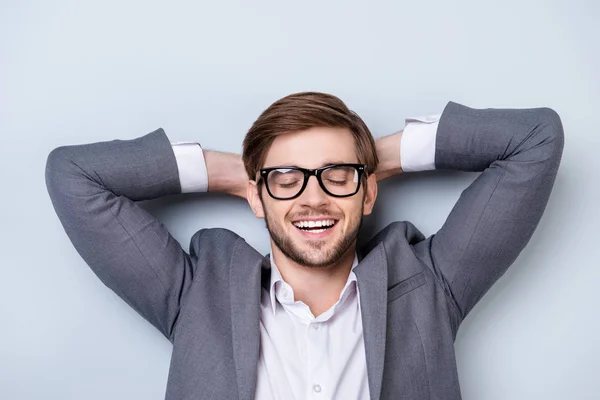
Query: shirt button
[(315, 326), (316, 388)]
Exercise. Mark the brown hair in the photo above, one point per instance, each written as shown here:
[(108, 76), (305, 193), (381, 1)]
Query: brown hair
[(301, 111)]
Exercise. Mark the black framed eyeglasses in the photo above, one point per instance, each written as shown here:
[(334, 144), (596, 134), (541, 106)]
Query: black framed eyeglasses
[(337, 180)]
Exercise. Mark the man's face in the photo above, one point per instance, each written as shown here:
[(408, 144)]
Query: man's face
[(286, 220)]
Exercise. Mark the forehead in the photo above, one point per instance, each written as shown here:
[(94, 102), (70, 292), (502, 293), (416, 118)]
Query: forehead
[(312, 148)]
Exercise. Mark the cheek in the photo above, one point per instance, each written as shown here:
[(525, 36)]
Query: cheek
[(351, 211), (277, 212)]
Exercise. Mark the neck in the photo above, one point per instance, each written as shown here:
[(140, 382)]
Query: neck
[(317, 287)]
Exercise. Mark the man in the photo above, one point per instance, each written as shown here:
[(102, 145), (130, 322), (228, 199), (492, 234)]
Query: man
[(320, 317)]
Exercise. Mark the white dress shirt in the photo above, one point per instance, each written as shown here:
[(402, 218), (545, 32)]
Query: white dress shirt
[(303, 356)]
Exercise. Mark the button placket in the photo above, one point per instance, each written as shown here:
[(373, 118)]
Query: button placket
[(313, 357)]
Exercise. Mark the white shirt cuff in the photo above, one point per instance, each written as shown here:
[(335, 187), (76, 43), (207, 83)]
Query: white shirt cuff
[(193, 175), (417, 146)]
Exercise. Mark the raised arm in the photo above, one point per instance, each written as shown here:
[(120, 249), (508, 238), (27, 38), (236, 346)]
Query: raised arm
[(518, 152), (94, 188)]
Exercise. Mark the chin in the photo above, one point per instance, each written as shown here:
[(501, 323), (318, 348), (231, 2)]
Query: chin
[(327, 254)]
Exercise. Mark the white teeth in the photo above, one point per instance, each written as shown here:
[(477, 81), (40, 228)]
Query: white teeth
[(315, 224)]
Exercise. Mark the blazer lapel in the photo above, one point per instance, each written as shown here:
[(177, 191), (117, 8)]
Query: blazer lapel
[(245, 292), (372, 277)]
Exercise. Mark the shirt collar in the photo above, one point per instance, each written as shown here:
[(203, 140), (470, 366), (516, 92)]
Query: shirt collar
[(276, 277)]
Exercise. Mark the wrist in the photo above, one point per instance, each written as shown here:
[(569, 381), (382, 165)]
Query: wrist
[(388, 153), (226, 173)]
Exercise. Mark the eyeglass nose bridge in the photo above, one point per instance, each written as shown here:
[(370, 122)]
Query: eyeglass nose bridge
[(317, 174)]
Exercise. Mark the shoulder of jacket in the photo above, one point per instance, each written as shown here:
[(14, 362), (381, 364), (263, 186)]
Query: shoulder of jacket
[(215, 234), (214, 243), (395, 232)]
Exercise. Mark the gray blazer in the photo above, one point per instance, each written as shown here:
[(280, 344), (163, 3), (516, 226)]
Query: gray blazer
[(415, 291)]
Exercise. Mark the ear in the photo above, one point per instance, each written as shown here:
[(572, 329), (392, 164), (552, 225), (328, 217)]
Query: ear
[(370, 195), (254, 199)]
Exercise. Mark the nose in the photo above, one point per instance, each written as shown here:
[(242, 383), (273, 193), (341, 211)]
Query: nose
[(313, 195)]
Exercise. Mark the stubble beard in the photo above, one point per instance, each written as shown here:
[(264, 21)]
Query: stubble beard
[(303, 257)]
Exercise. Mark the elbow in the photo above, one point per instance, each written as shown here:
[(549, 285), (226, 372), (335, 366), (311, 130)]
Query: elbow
[(58, 159), (58, 162), (545, 138), (553, 131)]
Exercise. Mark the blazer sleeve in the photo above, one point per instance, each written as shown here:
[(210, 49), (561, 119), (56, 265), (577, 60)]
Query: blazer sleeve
[(518, 152), (94, 188)]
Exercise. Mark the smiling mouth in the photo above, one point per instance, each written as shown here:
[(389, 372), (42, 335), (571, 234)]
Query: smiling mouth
[(318, 226)]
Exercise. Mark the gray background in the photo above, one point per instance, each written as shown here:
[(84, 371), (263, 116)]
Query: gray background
[(75, 72)]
